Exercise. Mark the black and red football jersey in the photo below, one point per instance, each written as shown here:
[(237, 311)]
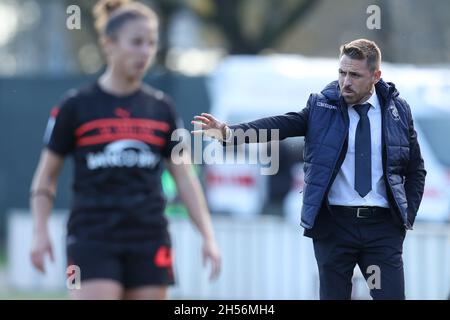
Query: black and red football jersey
[(117, 144)]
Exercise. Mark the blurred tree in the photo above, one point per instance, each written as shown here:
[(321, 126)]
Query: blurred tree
[(247, 26), (250, 26)]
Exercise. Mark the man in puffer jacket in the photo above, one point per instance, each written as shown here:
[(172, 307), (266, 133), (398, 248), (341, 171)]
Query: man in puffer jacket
[(364, 173)]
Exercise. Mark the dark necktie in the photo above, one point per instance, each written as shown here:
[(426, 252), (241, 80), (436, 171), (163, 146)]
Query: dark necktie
[(363, 157)]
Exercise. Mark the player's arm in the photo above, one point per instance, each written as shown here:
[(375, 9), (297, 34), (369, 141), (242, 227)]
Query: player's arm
[(191, 194), (43, 190)]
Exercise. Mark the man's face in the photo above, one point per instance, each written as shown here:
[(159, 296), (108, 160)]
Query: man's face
[(356, 81)]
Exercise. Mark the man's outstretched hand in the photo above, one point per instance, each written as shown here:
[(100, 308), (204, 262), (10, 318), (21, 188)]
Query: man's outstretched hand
[(210, 126)]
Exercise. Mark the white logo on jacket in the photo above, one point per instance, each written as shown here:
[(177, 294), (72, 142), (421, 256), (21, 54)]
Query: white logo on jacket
[(394, 112), (325, 105)]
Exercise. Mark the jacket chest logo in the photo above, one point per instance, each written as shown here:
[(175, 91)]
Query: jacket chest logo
[(326, 105), (394, 112)]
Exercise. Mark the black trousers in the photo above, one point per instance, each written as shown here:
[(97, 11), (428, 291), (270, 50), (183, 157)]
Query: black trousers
[(374, 243)]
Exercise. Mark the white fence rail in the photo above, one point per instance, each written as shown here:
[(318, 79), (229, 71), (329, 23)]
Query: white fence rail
[(266, 258)]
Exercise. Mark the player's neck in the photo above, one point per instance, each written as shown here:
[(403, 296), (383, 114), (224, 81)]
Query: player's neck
[(118, 85)]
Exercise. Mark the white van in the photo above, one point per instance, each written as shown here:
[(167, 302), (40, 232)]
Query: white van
[(245, 88), (427, 92)]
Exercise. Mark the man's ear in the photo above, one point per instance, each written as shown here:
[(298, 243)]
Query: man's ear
[(377, 75)]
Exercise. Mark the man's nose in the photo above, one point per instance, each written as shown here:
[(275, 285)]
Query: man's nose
[(347, 81)]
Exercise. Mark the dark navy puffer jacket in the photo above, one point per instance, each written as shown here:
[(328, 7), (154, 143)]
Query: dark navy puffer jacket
[(324, 122)]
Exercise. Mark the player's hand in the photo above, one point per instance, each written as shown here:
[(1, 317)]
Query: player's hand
[(211, 252), (210, 126), (40, 247)]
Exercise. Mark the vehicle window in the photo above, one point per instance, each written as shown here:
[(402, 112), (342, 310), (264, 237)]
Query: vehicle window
[(436, 130)]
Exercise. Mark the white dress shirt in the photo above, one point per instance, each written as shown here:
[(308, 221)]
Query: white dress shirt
[(343, 192)]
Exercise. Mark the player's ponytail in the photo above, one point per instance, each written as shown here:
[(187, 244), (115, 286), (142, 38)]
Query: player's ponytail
[(111, 15)]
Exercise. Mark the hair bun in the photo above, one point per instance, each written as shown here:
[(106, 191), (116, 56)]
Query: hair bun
[(112, 5), (104, 9)]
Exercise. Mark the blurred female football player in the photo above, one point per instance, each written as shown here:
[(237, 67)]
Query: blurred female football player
[(118, 131)]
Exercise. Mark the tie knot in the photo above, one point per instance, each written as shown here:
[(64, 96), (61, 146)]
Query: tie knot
[(362, 109)]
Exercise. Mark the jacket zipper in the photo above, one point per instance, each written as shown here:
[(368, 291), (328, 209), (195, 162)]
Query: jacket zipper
[(335, 162)]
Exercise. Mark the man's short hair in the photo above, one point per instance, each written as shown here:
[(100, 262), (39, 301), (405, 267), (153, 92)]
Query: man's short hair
[(361, 49)]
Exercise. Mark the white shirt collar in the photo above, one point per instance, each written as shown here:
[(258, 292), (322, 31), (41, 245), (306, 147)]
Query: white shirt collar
[(373, 100)]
